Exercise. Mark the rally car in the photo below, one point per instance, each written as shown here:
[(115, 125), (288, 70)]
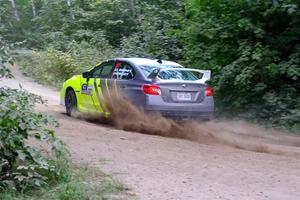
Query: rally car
[(156, 86)]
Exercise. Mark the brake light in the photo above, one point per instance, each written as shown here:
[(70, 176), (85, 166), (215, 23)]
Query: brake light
[(208, 91), (151, 89)]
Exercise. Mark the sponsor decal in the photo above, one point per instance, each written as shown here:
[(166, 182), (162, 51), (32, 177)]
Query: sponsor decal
[(87, 89)]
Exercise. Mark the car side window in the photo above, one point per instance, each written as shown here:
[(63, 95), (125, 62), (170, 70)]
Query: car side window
[(104, 71), (97, 72), (123, 71), (107, 70)]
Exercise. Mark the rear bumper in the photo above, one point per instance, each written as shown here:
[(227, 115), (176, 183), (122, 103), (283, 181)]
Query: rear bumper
[(203, 110), (182, 115)]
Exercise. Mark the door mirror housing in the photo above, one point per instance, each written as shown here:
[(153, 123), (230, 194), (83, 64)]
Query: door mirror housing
[(86, 75)]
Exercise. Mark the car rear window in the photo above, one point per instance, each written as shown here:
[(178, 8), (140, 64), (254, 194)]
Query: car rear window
[(147, 69), (173, 74)]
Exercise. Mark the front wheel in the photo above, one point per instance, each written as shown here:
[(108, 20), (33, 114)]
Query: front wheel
[(70, 102)]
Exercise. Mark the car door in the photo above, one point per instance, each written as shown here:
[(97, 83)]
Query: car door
[(124, 75), (86, 102), (102, 85)]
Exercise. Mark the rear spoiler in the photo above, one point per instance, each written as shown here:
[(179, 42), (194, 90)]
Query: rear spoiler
[(206, 73)]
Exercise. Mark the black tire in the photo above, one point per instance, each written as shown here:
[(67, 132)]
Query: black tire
[(70, 102)]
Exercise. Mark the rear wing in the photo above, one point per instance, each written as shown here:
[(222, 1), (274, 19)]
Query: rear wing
[(205, 77)]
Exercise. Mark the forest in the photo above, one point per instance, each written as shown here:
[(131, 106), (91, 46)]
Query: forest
[(252, 47)]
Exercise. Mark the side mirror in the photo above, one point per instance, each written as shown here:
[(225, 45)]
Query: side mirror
[(154, 73), (86, 75)]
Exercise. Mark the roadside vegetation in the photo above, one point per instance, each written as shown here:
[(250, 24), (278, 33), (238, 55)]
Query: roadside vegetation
[(82, 183), (252, 47), (34, 162)]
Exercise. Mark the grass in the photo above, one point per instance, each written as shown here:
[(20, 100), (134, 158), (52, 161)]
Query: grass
[(82, 183), (52, 67), (32, 64)]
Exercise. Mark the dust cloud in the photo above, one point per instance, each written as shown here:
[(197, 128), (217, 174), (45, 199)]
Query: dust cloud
[(126, 116)]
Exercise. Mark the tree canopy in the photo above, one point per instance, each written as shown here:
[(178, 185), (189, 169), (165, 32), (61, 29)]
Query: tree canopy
[(252, 47)]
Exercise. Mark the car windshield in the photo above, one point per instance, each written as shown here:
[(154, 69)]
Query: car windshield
[(173, 74)]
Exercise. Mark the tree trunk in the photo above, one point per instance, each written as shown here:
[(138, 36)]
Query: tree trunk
[(13, 4), (33, 8), (133, 4), (69, 2)]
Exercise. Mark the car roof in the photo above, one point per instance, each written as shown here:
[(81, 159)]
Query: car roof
[(148, 61)]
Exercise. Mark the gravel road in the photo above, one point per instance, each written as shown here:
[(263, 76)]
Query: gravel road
[(253, 163)]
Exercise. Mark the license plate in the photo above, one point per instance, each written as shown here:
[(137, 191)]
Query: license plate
[(184, 96)]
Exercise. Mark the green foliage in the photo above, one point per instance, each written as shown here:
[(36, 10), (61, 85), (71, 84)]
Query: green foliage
[(87, 183), (22, 165), (58, 22), (83, 183), (4, 58), (156, 34), (253, 49), (56, 66), (59, 65), (31, 156)]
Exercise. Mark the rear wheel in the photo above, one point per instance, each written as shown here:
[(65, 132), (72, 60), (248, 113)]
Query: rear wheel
[(70, 102)]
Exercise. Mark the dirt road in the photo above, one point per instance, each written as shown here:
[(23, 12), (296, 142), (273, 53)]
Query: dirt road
[(157, 167)]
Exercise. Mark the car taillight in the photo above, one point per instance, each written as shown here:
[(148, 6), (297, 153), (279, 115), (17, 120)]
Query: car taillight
[(208, 91), (151, 89)]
